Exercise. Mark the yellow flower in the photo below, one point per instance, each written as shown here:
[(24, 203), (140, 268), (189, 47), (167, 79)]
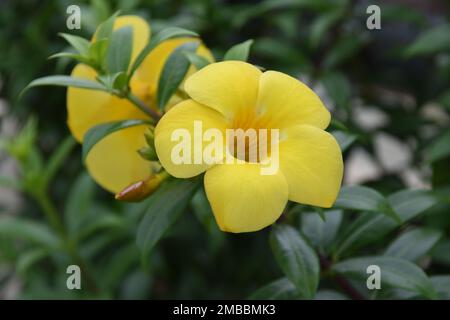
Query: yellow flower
[(114, 162), (237, 95)]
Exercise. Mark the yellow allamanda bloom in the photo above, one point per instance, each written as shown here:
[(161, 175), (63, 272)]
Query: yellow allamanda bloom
[(114, 162), (238, 95)]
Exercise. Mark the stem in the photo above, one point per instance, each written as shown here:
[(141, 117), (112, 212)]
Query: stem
[(56, 222), (340, 280), (142, 106)]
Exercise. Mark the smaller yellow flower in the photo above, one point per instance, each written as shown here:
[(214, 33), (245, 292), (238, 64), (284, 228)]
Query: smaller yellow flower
[(237, 95), (114, 162)]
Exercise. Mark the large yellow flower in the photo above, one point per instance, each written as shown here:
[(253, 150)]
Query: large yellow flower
[(114, 162), (235, 94)]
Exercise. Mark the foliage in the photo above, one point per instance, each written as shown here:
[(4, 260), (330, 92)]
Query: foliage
[(169, 246)]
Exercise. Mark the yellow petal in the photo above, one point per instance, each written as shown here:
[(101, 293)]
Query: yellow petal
[(311, 161), (181, 119), (242, 199), (151, 67), (141, 32), (230, 87), (284, 101), (114, 162), (88, 108)]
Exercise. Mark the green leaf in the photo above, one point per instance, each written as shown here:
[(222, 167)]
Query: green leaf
[(29, 258), (431, 41), (296, 258), (395, 272), (118, 54), (364, 198), (98, 51), (442, 286), (105, 29), (329, 295), (321, 233), (202, 210), (71, 55), (64, 81), (115, 81), (197, 60), (370, 227), (344, 139), (35, 232), (58, 158), (339, 88), (281, 289), (164, 208), (239, 51), (439, 148), (163, 35), (413, 244), (322, 24), (97, 133), (345, 49), (78, 202), (80, 44), (173, 73)]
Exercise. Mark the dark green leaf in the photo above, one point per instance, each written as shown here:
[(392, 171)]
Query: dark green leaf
[(64, 81), (338, 87), (369, 227), (322, 24), (97, 133), (439, 148), (395, 272), (173, 73), (164, 207), (119, 50), (365, 199), (197, 60), (442, 286), (297, 260), (78, 202), (32, 231), (29, 258), (239, 51), (57, 159), (163, 35), (329, 295), (431, 41), (281, 289), (321, 232), (413, 244)]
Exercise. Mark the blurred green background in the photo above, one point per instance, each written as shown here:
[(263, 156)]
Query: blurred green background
[(388, 87)]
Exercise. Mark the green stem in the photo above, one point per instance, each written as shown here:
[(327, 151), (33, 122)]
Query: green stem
[(142, 106), (56, 222)]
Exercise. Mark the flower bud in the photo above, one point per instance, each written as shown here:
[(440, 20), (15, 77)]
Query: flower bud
[(142, 189)]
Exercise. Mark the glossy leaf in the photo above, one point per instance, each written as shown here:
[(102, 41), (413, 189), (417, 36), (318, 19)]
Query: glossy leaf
[(297, 259), (97, 133), (395, 272), (173, 73), (163, 209), (166, 34), (239, 51), (413, 244), (119, 50), (281, 289)]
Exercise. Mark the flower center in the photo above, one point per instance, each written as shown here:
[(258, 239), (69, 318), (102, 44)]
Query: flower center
[(249, 138)]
